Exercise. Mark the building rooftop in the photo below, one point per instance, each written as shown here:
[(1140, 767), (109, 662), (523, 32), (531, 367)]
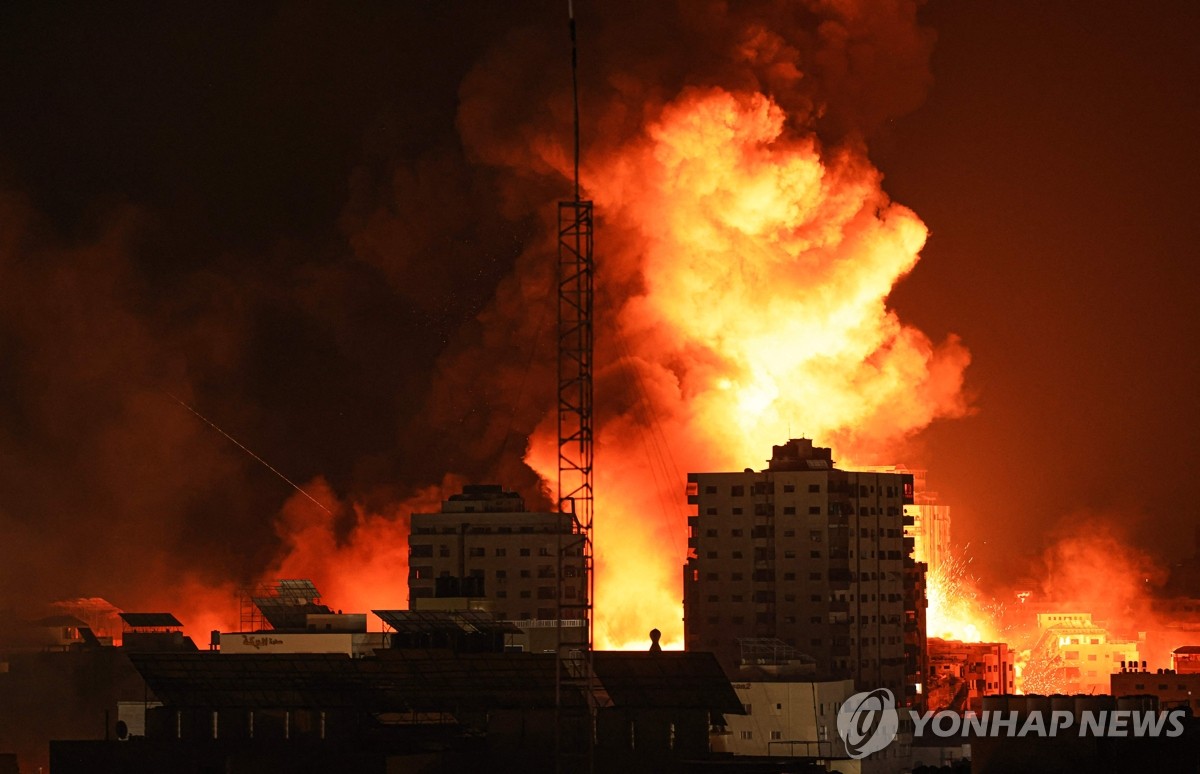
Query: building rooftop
[(429, 680), (800, 454), (484, 498), (151, 621)]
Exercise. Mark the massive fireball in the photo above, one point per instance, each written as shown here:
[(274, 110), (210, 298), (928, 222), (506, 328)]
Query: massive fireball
[(760, 264), (743, 273)]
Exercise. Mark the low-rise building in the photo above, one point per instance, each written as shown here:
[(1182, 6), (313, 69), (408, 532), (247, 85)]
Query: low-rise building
[(1078, 655), (485, 544), (962, 673), (1186, 660), (1173, 689)]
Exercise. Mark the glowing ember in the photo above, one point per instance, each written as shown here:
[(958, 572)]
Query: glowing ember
[(955, 611)]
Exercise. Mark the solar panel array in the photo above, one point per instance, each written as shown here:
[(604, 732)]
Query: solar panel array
[(150, 620), (445, 621)]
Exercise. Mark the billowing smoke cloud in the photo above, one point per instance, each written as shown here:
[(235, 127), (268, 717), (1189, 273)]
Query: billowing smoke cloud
[(100, 467), (746, 252), (1092, 566)]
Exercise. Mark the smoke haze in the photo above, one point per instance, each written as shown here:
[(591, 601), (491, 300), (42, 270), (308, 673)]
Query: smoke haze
[(335, 245)]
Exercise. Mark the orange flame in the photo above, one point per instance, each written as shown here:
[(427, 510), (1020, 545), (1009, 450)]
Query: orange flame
[(366, 570), (954, 611), (764, 262), (760, 264)]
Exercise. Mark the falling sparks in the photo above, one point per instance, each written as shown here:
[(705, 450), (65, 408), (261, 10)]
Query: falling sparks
[(955, 610)]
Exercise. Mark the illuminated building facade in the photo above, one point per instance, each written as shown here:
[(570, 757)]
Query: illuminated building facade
[(484, 545), (1186, 660), (786, 718), (1083, 654), (928, 522), (962, 673), (807, 554), (930, 528)]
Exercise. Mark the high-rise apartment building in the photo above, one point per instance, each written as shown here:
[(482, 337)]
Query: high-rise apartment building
[(808, 554), (485, 545), (929, 520), (930, 525)]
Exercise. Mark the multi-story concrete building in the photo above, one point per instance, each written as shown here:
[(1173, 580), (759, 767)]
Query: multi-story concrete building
[(929, 520), (786, 718), (930, 526), (1172, 689), (806, 553), (916, 642), (1186, 660), (1079, 655), (962, 673), (485, 545)]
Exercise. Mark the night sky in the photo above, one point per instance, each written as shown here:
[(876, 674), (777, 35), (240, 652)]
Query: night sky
[(269, 212)]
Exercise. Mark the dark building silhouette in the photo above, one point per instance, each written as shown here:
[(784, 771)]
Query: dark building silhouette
[(812, 556), (408, 710)]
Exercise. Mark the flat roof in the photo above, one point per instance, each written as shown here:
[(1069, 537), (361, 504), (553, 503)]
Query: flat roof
[(429, 680), (150, 620), (450, 621)]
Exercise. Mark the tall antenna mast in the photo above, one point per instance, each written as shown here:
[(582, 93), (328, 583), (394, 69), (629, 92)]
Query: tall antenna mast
[(574, 88), (576, 337)]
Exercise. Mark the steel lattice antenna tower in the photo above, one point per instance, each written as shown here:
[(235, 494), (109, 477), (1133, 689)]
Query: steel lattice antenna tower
[(575, 277)]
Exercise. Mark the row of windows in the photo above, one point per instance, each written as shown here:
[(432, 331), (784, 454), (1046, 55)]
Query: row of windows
[(768, 488), (749, 735), (833, 706), (1076, 640), (766, 555), (819, 642), (763, 555), (760, 487), (425, 550), (1074, 654), (768, 576), (543, 614), (419, 573), (766, 618), (815, 535), (1161, 687), (543, 592), (765, 509), (769, 596), (477, 530), (569, 592)]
